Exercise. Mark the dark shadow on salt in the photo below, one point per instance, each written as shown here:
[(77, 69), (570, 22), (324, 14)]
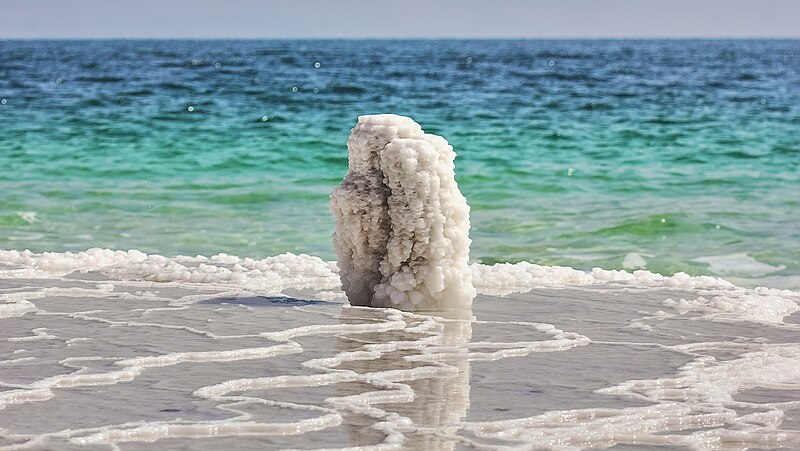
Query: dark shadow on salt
[(264, 301), (93, 276)]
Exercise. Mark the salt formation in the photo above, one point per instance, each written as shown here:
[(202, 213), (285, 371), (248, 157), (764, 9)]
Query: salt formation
[(402, 225)]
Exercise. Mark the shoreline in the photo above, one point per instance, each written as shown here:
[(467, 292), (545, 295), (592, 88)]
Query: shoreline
[(677, 363), (141, 264)]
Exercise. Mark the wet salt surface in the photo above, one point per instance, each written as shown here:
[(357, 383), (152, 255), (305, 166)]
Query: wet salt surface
[(91, 362)]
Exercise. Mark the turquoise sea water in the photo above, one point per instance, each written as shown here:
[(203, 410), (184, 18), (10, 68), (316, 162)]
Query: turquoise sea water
[(577, 153)]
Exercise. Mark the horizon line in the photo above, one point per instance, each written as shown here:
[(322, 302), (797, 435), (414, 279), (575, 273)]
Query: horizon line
[(389, 38)]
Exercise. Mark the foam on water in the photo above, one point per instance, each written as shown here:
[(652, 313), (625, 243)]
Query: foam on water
[(740, 264)]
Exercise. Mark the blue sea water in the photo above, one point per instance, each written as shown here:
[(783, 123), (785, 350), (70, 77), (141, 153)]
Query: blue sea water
[(677, 155)]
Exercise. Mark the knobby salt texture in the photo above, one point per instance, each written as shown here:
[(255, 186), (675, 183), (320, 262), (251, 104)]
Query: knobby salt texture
[(402, 225)]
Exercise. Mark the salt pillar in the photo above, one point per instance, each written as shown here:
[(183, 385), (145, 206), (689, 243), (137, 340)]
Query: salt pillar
[(402, 225)]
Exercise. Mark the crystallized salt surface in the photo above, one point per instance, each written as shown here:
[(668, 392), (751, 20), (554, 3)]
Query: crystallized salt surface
[(96, 360), (708, 296), (402, 225), (207, 352), (272, 274)]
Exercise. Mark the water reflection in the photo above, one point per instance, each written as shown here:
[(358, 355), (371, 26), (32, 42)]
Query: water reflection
[(413, 384)]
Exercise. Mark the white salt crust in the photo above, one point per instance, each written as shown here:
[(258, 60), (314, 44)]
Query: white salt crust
[(271, 274), (695, 406), (409, 374), (716, 299), (402, 225)]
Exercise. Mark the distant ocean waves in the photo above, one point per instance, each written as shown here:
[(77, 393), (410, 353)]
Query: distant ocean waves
[(669, 156)]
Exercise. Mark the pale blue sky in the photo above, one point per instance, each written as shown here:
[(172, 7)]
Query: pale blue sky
[(398, 19)]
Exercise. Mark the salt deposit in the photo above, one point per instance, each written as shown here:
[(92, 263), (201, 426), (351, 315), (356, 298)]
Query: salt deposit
[(97, 358), (402, 225), (711, 297)]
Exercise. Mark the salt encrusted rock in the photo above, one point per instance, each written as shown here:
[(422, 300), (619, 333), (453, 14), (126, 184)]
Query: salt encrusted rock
[(402, 225)]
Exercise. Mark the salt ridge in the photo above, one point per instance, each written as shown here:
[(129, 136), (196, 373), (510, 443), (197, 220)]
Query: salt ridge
[(305, 271), (716, 297)]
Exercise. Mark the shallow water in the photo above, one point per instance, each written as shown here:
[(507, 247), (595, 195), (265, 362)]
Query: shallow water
[(93, 358), (675, 156), (669, 155)]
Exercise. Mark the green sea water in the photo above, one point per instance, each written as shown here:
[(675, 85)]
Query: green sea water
[(668, 155)]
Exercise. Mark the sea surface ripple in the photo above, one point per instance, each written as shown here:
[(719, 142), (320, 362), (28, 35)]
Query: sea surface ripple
[(670, 155)]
